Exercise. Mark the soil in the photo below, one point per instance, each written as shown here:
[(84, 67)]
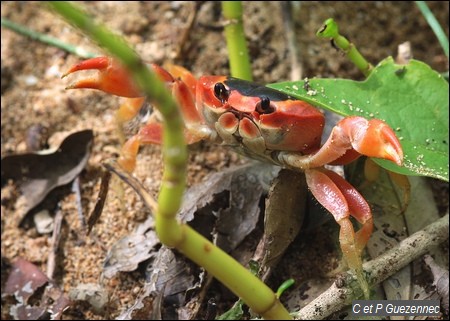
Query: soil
[(32, 93)]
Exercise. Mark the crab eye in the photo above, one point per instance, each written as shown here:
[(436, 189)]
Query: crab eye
[(221, 92), (264, 106)]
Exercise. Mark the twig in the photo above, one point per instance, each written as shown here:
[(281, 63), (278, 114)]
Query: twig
[(76, 190), (181, 49), (379, 269), (98, 209), (296, 61), (133, 182), (47, 39), (54, 243)]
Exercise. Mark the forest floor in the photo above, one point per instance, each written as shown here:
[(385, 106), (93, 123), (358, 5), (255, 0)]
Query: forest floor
[(32, 93)]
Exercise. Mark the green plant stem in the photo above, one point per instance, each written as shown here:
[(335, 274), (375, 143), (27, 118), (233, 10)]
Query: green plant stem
[(258, 296), (46, 39), (237, 46), (174, 147), (242, 282), (284, 286), (434, 24), (330, 30)]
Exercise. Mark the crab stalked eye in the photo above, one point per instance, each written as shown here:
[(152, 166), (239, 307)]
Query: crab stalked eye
[(264, 106), (221, 92)]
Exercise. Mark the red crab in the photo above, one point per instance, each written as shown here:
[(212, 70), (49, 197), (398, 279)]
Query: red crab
[(264, 124)]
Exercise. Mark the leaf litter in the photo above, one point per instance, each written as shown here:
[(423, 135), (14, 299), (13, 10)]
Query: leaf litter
[(36, 295), (200, 63), (230, 200), (37, 174)]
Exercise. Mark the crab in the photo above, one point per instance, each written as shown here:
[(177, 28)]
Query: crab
[(264, 124)]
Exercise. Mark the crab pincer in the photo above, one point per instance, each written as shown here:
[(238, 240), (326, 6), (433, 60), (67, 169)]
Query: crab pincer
[(112, 77)]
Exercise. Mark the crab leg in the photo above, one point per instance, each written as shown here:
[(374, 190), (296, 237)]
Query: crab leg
[(342, 200), (349, 139)]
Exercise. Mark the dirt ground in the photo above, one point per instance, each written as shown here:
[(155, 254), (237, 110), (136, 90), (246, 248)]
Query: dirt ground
[(32, 93)]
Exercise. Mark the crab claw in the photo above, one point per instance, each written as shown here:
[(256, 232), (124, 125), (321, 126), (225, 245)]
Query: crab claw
[(349, 139), (112, 77), (374, 138)]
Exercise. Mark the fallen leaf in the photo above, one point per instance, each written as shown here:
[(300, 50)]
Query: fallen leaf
[(25, 281), (93, 293), (37, 174), (129, 251), (285, 209), (245, 186), (168, 278)]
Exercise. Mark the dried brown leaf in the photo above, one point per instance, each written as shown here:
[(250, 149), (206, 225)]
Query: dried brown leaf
[(25, 281), (93, 293), (285, 209), (37, 174), (129, 251), (245, 186)]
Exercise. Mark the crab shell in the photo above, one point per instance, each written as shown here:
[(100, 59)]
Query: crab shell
[(291, 125)]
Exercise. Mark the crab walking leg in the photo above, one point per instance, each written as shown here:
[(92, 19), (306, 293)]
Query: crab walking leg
[(149, 134), (126, 112), (342, 201), (129, 109), (358, 207), (373, 138)]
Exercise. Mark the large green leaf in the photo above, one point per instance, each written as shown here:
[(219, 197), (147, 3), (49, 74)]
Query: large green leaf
[(413, 99)]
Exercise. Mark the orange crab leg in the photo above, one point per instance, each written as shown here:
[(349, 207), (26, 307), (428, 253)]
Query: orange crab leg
[(358, 208), (129, 109), (149, 134), (342, 200), (184, 75)]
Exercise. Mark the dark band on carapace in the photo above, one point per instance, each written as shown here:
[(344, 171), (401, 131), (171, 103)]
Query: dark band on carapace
[(251, 89)]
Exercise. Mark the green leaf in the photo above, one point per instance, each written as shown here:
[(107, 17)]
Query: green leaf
[(413, 99)]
